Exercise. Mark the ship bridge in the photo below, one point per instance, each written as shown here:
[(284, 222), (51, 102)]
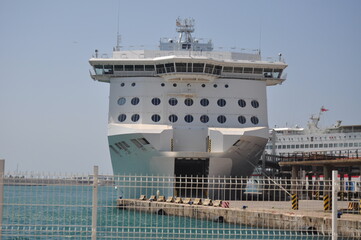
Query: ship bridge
[(191, 68)]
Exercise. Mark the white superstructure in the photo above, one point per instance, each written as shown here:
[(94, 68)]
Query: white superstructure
[(336, 139), (185, 109)]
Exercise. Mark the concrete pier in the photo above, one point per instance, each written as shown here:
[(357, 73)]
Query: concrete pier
[(275, 216)]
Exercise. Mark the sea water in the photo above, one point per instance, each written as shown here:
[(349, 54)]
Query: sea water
[(65, 212)]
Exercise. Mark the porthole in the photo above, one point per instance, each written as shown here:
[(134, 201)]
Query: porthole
[(135, 117), (242, 103), (241, 119), (122, 117), (215, 85), (156, 101), (155, 118), (188, 101), (204, 119), (203, 85), (173, 118), (121, 101), (221, 102), (133, 84), (122, 84), (226, 86), (204, 102), (221, 119), (135, 101), (255, 103), (174, 84), (162, 84), (188, 118), (173, 101), (254, 120)]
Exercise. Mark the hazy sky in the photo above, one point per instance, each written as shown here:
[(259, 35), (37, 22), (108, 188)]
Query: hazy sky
[(53, 116)]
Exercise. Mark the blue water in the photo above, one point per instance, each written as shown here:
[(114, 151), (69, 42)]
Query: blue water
[(65, 212)]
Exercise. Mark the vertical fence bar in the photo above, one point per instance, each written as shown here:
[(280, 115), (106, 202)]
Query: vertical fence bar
[(335, 186), (2, 170), (95, 204)]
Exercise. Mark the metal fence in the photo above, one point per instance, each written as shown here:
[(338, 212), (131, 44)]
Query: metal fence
[(39, 206)]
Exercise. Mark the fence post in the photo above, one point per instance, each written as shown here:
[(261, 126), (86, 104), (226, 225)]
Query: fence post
[(95, 204), (335, 186), (2, 171)]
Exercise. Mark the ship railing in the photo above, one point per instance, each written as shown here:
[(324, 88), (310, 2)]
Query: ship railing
[(321, 155)]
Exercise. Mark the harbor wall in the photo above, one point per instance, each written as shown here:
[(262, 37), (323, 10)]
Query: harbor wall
[(259, 218)]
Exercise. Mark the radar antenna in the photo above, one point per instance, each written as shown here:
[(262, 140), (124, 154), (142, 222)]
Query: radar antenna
[(119, 38), (185, 27)]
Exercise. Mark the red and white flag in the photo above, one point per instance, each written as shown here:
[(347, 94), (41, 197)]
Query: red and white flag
[(323, 109)]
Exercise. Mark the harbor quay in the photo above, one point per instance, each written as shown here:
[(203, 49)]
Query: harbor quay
[(258, 214)]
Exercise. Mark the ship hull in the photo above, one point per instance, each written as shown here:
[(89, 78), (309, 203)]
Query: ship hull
[(133, 155)]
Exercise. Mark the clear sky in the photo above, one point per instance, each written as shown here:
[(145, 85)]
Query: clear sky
[(53, 116)]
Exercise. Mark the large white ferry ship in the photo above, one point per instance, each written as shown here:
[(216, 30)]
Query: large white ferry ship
[(185, 109), (335, 140)]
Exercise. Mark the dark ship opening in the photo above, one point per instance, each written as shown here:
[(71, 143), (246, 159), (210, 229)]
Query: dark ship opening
[(191, 177)]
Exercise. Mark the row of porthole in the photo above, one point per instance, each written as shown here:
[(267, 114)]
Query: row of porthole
[(188, 102), (175, 85), (188, 118)]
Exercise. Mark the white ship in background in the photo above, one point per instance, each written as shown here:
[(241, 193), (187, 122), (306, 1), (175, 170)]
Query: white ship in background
[(185, 109), (334, 140)]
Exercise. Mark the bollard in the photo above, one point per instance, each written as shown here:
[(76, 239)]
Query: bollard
[(294, 202), (342, 196), (326, 203), (317, 195)]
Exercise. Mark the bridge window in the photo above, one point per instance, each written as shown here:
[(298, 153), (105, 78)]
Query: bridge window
[(248, 70), (169, 67), (129, 68), (198, 67), (228, 69), (238, 69), (108, 69), (189, 67), (118, 67), (98, 69), (277, 73), (181, 67), (217, 70), (267, 72), (160, 68), (257, 71), (209, 68), (149, 67), (139, 67)]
